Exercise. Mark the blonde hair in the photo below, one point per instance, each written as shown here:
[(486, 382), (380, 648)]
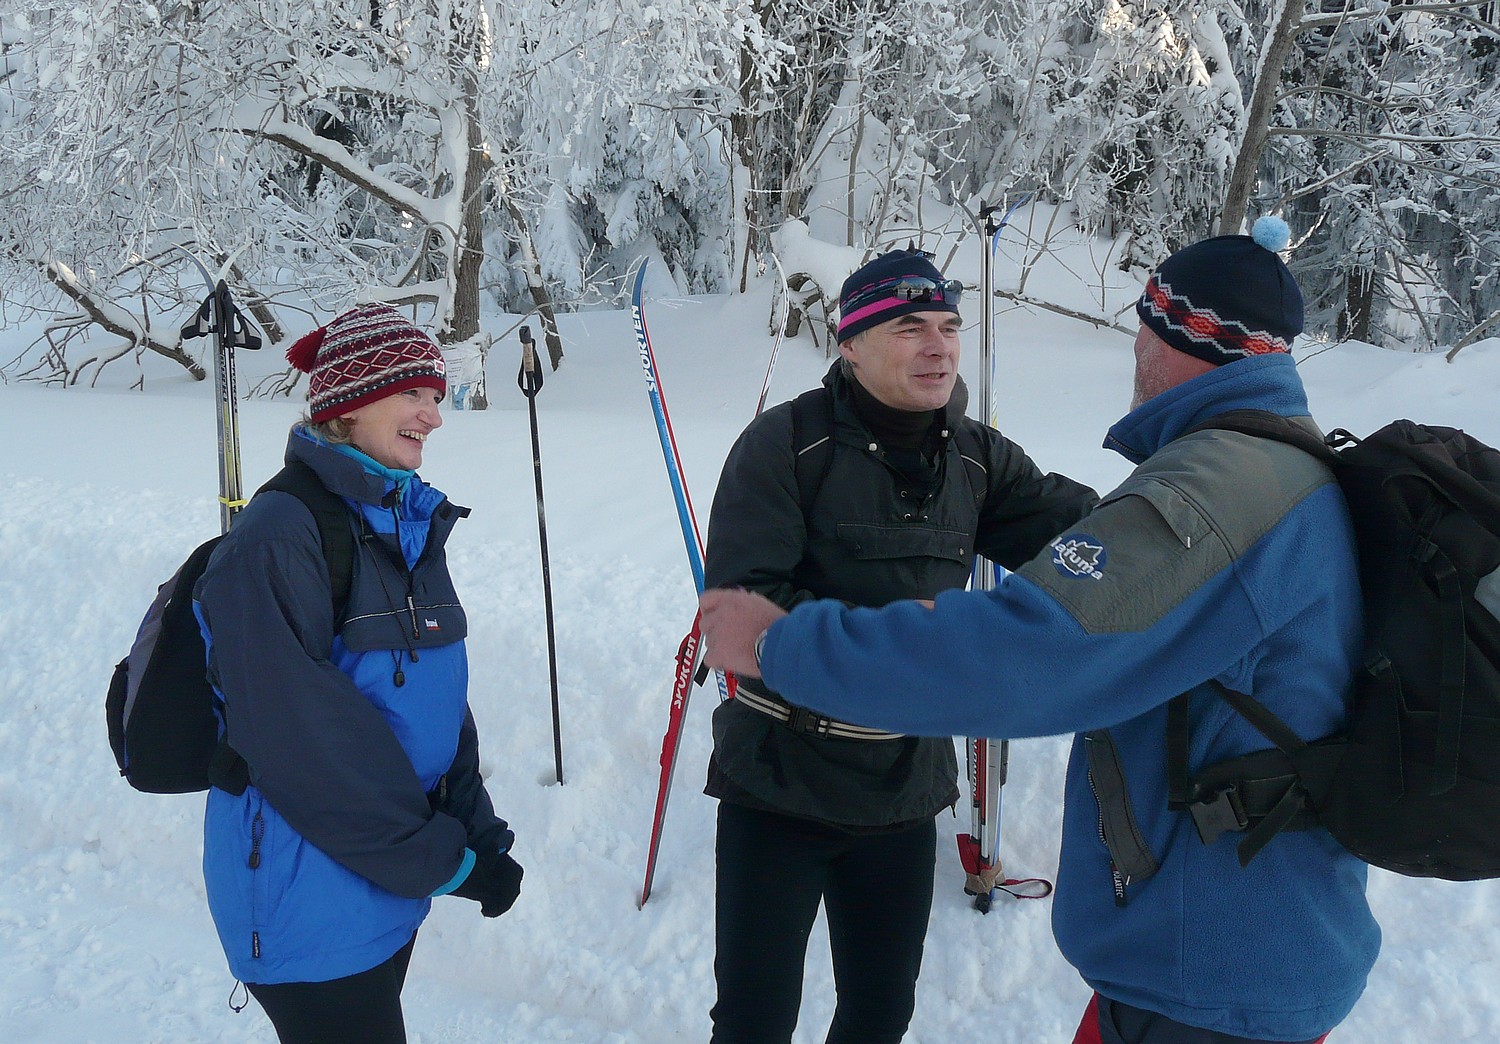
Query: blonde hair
[(335, 431)]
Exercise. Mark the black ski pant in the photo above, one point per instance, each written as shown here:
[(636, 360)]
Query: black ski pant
[(364, 1007), (876, 889)]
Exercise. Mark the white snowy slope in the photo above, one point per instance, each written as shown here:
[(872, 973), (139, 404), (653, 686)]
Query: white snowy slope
[(103, 927)]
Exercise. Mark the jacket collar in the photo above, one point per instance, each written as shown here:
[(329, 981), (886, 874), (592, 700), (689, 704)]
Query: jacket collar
[(342, 475), (1267, 382)]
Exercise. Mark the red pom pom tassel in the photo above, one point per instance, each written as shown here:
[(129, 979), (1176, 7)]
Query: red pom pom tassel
[(304, 350)]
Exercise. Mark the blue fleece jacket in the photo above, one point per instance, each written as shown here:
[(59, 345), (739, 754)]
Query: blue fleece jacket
[(1222, 557)]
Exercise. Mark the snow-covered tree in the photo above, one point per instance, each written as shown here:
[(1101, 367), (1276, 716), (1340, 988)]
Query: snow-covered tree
[(527, 153), (334, 145), (1381, 138)]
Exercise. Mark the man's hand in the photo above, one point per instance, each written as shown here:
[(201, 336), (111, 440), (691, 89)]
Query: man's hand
[(731, 622)]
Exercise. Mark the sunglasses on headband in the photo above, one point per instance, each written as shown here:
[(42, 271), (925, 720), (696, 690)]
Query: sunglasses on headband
[(921, 289), (912, 288)]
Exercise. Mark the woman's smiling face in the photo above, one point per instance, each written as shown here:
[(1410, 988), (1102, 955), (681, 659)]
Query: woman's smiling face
[(394, 429)]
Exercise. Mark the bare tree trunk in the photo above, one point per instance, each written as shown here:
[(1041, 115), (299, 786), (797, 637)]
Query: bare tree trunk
[(1359, 302), (858, 140), (1258, 117), (742, 125), (468, 247), (538, 287)]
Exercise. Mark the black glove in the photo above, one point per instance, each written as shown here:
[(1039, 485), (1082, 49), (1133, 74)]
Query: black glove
[(494, 883)]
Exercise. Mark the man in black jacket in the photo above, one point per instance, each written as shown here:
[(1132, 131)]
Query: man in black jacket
[(872, 489)]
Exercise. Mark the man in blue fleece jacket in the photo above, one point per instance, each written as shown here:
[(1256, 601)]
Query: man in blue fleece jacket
[(1222, 560)]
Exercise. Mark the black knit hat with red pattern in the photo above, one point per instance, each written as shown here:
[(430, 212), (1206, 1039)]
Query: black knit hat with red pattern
[(1226, 298), (365, 354)]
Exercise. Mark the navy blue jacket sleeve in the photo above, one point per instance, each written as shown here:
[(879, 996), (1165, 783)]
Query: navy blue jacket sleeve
[(1025, 508), (468, 801), (319, 751)]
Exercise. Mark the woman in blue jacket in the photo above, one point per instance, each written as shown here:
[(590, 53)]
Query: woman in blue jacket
[(364, 798)]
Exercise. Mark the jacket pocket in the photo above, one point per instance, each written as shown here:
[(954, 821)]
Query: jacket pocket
[(869, 542), (1130, 861), (1179, 513)]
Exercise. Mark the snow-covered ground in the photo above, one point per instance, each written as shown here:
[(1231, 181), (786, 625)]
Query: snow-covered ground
[(104, 933)]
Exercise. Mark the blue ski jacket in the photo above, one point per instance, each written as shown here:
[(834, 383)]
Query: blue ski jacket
[(1221, 558), (363, 759)]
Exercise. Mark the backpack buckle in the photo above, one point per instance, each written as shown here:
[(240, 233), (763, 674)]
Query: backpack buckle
[(1222, 812)]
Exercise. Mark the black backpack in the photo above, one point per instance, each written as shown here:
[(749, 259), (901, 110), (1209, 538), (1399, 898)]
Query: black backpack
[(1413, 784), (160, 707)]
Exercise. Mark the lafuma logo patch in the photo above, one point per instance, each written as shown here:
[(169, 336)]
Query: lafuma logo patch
[(1079, 555)]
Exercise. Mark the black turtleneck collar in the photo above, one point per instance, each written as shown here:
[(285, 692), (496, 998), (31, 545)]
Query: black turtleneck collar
[(896, 429)]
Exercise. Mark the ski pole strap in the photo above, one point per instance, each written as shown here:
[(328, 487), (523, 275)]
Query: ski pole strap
[(981, 879), (799, 719), (1025, 887), (233, 502), (238, 332)]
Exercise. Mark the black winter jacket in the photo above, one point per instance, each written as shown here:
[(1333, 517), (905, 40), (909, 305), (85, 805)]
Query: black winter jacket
[(868, 538)]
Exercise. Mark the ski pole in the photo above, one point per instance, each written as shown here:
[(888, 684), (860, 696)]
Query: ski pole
[(988, 759), (218, 315), (529, 379), (781, 318)]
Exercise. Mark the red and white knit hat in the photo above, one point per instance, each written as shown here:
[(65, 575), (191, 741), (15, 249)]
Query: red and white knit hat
[(367, 353)]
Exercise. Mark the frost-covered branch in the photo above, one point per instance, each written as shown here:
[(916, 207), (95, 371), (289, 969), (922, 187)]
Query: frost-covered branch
[(1492, 321), (1462, 11), (114, 319)]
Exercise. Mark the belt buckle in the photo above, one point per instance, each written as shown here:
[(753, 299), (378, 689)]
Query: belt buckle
[(800, 719)]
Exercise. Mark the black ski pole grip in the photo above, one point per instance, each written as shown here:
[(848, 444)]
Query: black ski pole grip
[(987, 212)]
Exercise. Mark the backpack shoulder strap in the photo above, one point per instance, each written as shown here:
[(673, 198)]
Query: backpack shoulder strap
[(334, 527), (227, 770), (1267, 425), (1248, 707), (972, 452), (812, 443)]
